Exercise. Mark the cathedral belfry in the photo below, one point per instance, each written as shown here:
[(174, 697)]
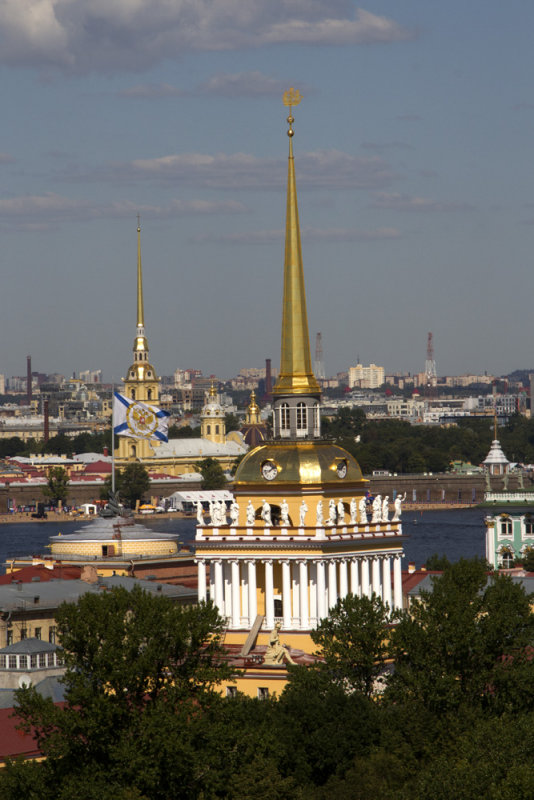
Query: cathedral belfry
[(141, 381)]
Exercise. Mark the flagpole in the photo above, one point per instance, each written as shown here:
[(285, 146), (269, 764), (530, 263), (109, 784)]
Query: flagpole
[(113, 440)]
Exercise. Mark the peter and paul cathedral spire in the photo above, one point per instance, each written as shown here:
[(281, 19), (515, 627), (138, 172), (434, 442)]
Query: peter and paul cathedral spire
[(141, 381), (296, 392)]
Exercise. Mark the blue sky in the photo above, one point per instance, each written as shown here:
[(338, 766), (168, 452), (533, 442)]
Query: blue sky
[(415, 172)]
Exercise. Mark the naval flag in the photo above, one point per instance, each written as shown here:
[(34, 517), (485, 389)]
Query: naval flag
[(139, 420)]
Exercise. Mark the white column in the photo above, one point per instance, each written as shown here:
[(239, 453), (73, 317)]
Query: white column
[(386, 581), (202, 586), (366, 586), (321, 591), (354, 577), (376, 576), (269, 594), (244, 598), (252, 596), (295, 610), (332, 583), (218, 587), (312, 583), (397, 582), (227, 583), (303, 585), (286, 594), (236, 595), (343, 578)]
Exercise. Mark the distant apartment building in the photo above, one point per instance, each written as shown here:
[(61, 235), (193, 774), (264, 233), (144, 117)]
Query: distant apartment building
[(91, 376), (2, 384), (370, 377), (467, 380)]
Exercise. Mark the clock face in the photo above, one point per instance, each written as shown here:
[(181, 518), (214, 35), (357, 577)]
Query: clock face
[(341, 469), (269, 470)]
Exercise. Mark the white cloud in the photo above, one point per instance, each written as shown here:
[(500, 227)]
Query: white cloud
[(246, 84), (318, 169), (104, 35), (152, 90), (308, 235), (38, 212), (405, 202)]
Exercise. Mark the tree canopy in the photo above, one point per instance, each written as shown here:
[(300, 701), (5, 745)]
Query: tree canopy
[(57, 487), (213, 476)]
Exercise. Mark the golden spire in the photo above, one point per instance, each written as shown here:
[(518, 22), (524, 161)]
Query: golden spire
[(296, 376), (140, 310)]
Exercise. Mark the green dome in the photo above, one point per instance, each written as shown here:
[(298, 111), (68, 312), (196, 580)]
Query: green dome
[(307, 462)]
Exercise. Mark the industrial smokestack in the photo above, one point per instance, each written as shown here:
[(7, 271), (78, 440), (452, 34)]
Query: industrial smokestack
[(268, 380), (29, 379)]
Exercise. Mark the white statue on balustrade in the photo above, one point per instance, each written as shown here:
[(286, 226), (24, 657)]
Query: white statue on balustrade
[(398, 507), (213, 513), (340, 513), (332, 513), (319, 519), (385, 509), (234, 513), (302, 513), (251, 514), (200, 514), (353, 512), (284, 514), (222, 513), (266, 513), (362, 508), (377, 509)]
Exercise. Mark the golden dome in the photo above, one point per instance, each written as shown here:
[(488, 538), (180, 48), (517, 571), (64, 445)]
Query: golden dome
[(306, 462)]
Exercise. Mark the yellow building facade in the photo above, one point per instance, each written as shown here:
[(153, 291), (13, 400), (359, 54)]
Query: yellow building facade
[(301, 536)]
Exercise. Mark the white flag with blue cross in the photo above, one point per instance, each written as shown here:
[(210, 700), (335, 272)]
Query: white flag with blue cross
[(139, 420)]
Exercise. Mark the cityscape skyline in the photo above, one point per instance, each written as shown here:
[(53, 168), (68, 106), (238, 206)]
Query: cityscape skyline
[(413, 169)]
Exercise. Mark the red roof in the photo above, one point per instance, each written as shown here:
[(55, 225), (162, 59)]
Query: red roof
[(98, 467), (14, 742), (26, 574)]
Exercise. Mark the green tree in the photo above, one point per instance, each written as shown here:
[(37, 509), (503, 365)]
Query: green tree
[(352, 641), (464, 642), (141, 674), (57, 487), (212, 473), (132, 482), (232, 422)]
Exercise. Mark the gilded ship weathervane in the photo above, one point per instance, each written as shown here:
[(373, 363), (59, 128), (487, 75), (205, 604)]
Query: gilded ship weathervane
[(291, 98)]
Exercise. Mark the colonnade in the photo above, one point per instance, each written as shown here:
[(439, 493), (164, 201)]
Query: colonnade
[(310, 587)]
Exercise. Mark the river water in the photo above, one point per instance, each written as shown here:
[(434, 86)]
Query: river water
[(456, 534)]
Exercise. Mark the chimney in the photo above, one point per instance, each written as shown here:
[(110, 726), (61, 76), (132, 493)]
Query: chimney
[(29, 379), (268, 379), (106, 452)]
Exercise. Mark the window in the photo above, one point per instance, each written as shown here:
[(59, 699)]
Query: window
[(42, 659), (263, 693), (208, 429), (231, 691), (37, 633), (278, 609), (52, 634), (23, 633), (23, 662), (133, 394), (50, 659), (529, 527), (302, 417), (507, 559), (33, 661), (284, 416), (506, 527), (149, 392), (12, 662), (216, 429), (2, 662), (9, 638)]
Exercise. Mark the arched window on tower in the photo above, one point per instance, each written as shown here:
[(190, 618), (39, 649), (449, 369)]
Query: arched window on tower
[(284, 419), (302, 418), (208, 429), (149, 394), (133, 394), (133, 451), (216, 429)]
